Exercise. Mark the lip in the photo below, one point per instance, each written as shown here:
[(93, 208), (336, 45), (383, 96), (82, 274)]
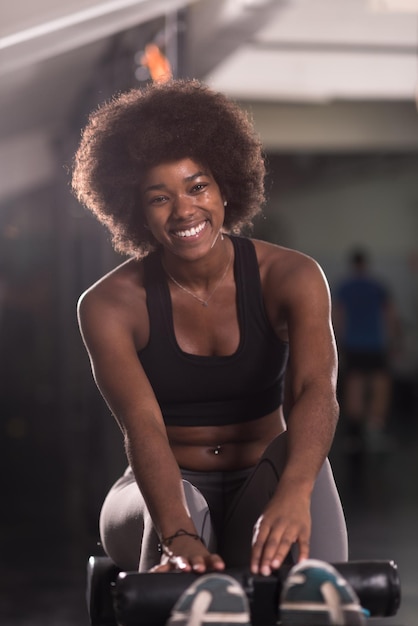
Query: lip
[(190, 232)]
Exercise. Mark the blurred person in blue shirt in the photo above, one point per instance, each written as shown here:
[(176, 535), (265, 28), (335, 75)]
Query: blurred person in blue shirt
[(367, 328)]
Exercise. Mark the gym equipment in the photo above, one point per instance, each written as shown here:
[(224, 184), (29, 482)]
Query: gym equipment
[(117, 598)]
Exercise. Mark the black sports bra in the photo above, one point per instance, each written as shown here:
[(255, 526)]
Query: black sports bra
[(195, 390)]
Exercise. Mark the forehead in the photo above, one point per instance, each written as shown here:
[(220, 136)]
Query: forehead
[(182, 169)]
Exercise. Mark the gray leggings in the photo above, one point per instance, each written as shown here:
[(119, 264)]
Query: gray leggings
[(224, 507)]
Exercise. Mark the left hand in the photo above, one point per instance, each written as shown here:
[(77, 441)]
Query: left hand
[(285, 521)]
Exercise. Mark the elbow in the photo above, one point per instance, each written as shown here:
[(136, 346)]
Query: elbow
[(129, 447), (336, 411)]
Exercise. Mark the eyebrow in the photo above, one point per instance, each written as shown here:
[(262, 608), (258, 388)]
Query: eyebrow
[(187, 179)]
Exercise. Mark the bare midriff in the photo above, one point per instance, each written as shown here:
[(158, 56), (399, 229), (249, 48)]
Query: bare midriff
[(223, 448)]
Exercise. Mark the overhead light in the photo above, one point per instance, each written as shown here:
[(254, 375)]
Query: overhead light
[(394, 6), (254, 3), (157, 63)]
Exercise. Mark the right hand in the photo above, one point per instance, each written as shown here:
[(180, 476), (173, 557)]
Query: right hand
[(186, 554)]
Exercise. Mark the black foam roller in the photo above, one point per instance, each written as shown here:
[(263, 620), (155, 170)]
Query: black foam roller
[(147, 599)]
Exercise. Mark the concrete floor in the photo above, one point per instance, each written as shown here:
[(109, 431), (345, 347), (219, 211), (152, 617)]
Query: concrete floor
[(42, 572)]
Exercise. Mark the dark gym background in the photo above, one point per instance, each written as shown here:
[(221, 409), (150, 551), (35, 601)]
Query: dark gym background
[(342, 172)]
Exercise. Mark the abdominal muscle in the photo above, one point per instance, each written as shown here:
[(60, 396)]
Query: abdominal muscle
[(224, 448)]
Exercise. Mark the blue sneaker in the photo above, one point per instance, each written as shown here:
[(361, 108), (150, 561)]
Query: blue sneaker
[(215, 599), (315, 594)]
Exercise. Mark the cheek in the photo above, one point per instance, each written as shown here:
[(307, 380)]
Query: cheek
[(154, 221), (153, 216)]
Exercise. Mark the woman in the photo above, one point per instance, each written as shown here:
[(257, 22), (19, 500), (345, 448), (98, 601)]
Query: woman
[(190, 340)]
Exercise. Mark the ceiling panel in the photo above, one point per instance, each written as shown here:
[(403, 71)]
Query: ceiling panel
[(305, 76), (323, 50), (352, 22)]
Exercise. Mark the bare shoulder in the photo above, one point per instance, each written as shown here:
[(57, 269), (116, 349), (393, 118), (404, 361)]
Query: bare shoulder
[(116, 287), (117, 296), (286, 267), (294, 287)]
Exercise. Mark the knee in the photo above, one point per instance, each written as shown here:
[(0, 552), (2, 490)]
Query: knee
[(121, 534), (329, 532), (200, 514)]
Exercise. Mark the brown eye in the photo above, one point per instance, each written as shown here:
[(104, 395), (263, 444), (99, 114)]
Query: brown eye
[(199, 187), (157, 200)]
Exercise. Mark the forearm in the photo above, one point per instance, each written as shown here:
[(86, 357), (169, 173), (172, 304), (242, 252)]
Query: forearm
[(311, 427), (287, 519), (159, 479)]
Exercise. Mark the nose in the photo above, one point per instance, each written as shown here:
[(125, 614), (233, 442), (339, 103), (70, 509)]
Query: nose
[(183, 206)]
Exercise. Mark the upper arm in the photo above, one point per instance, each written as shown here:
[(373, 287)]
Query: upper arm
[(304, 302), (109, 340)]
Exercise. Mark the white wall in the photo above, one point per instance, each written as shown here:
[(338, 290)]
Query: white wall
[(339, 125)]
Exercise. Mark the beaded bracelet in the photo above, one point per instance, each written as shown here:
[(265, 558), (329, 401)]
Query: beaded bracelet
[(167, 541)]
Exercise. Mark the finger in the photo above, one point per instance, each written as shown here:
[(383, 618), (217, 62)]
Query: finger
[(157, 569), (209, 563), (270, 552), (304, 548), (216, 563), (259, 537), (178, 563), (198, 564), (275, 550)]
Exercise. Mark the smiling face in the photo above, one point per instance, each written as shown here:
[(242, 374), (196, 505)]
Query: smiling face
[(183, 207)]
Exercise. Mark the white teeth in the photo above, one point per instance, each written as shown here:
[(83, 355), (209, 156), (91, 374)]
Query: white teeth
[(195, 230)]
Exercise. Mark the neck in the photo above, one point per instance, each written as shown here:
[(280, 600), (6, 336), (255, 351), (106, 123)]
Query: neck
[(212, 281), (200, 274)]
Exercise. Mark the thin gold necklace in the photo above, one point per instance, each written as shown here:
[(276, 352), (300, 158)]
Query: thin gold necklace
[(202, 301)]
